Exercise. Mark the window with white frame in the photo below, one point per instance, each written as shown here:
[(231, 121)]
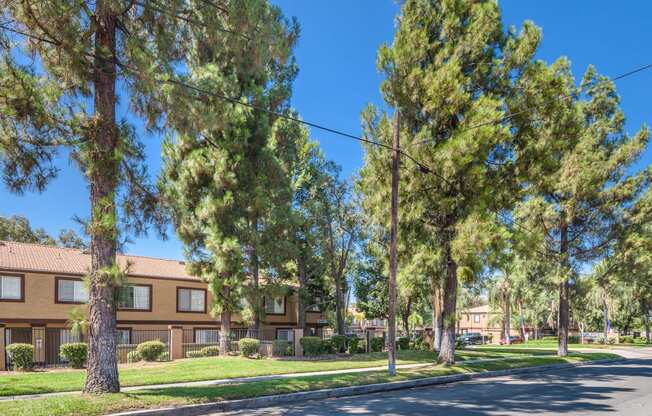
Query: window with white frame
[(275, 305), (136, 297), (476, 318), (191, 300), (207, 336), (285, 334), (11, 288), (71, 291), (123, 336)]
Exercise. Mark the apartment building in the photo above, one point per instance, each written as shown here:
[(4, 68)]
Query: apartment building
[(39, 285)]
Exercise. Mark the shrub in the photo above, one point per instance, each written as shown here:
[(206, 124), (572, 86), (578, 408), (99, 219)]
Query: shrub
[(626, 339), (354, 343), (403, 343), (164, 357), (210, 351), (311, 345), (150, 350), (75, 353), (133, 357), (194, 354), (417, 343), (327, 347), (22, 356), (248, 346), (573, 339), (549, 339), (376, 344), (281, 348), (339, 343)]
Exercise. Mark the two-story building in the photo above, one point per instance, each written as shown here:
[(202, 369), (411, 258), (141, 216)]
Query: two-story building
[(39, 285)]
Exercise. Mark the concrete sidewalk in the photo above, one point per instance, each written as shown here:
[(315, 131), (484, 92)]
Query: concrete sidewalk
[(218, 382)]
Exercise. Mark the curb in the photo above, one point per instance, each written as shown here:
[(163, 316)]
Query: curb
[(265, 401)]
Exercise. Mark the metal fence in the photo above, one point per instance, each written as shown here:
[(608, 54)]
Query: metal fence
[(138, 336)]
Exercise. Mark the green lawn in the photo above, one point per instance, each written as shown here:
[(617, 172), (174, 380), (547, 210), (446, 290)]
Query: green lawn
[(211, 368), (96, 405), (553, 344)]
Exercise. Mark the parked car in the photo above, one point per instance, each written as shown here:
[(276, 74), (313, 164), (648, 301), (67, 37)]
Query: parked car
[(471, 338), (512, 340)]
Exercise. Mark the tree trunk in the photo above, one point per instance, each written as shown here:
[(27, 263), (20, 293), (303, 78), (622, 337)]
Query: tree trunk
[(301, 304), (605, 317), (259, 307), (506, 318), (447, 351), (102, 367), (646, 320), (406, 316), (437, 322), (564, 295), (225, 331), (521, 318), (338, 306)]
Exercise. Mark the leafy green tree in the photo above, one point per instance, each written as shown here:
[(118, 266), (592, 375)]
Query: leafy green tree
[(574, 156), (18, 228), (223, 177), (65, 66), (446, 71)]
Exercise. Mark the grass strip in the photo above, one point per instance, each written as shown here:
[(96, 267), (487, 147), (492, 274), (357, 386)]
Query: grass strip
[(78, 404)]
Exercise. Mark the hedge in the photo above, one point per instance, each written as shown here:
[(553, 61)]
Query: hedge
[(22, 356), (403, 343), (133, 357), (210, 351), (151, 350), (354, 342), (248, 346), (627, 339), (194, 354), (311, 345), (75, 353), (339, 343), (376, 344), (281, 348)]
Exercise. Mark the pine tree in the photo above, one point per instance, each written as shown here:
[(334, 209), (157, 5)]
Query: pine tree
[(90, 56), (573, 155), (446, 71)]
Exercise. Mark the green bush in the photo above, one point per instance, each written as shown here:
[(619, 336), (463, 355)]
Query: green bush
[(327, 347), (311, 345), (549, 338), (281, 348), (22, 356), (133, 357), (211, 351), (339, 343), (641, 339), (376, 344), (150, 350), (248, 346), (403, 343), (164, 357), (353, 343), (194, 354), (573, 339), (626, 339), (75, 353)]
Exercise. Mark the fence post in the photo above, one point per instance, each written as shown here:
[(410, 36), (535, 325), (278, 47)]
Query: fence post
[(298, 334), (3, 353), (176, 342)]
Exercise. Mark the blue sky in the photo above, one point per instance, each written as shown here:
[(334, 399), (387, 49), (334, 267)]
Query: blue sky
[(336, 56)]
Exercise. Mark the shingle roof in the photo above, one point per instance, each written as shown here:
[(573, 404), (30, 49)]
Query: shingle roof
[(49, 259)]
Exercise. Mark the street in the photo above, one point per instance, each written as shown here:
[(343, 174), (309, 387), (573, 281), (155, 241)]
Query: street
[(617, 388)]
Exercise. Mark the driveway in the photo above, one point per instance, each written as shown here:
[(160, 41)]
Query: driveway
[(622, 388)]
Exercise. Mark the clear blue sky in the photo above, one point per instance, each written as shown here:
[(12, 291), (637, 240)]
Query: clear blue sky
[(336, 56)]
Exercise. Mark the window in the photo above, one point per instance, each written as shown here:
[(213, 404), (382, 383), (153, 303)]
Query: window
[(207, 336), (285, 334), (275, 305), (137, 297), (71, 291), (315, 307), (123, 336), (476, 318), (11, 288), (191, 300)]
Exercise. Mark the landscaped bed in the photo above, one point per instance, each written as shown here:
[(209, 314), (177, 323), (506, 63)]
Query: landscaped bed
[(96, 405), (210, 368)]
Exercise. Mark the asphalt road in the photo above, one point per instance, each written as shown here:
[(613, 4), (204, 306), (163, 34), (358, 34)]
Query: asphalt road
[(623, 388)]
